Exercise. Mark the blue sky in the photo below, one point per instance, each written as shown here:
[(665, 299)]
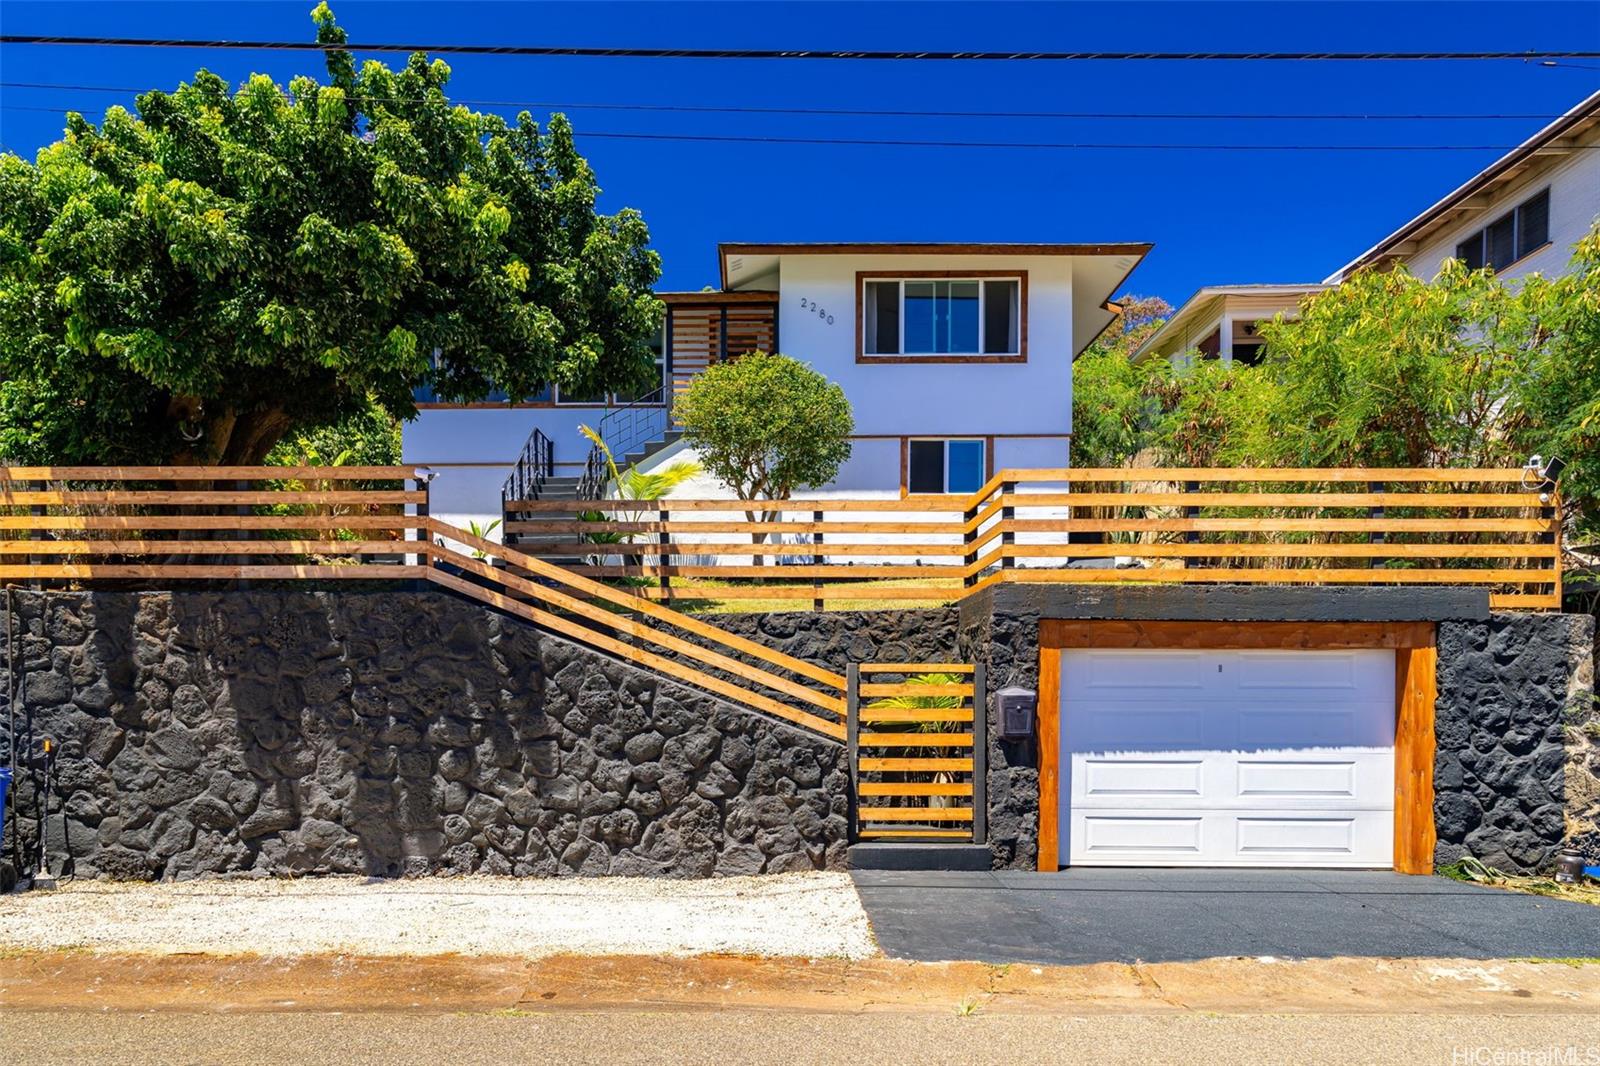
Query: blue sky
[(1214, 216)]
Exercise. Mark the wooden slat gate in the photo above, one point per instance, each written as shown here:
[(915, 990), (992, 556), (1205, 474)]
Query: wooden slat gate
[(917, 737)]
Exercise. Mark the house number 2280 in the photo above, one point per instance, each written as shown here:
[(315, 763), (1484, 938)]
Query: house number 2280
[(811, 305)]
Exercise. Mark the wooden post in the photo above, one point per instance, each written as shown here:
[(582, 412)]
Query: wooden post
[(664, 538), (38, 511), (421, 530), (852, 737), (1008, 513), (980, 755), (1375, 536), (1191, 536), (1551, 513), (816, 559), (970, 556)]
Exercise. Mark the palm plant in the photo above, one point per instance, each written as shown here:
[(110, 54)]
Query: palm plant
[(906, 703), (632, 484), (482, 533)]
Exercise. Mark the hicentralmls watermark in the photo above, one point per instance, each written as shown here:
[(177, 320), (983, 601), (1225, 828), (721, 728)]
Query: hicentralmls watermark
[(1552, 1055)]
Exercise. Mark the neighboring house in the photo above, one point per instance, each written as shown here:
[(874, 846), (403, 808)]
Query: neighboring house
[(1521, 214), (956, 358), (1222, 322)]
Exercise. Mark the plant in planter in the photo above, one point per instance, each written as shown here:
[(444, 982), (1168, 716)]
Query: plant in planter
[(631, 484)]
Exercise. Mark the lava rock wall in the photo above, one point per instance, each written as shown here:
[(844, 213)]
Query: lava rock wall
[(393, 733), (1517, 769)]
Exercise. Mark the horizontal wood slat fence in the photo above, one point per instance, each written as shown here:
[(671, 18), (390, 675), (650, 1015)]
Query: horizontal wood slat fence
[(917, 749), (1286, 526), (131, 523), (915, 732)]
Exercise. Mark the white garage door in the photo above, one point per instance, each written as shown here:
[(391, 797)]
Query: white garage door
[(1227, 758)]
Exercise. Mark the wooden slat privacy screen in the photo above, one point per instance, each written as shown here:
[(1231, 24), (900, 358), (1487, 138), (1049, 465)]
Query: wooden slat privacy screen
[(1311, 527), (190, 522), (917, 738)]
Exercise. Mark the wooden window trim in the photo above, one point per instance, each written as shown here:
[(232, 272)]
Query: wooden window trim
[(1415, 665), (864, 276)]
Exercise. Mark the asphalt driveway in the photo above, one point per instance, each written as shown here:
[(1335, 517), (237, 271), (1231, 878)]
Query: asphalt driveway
[(1105, 915)]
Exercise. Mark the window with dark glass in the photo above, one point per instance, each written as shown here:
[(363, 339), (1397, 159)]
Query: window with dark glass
[(1510, 237), (1533, 224), (944, 466), (941, 316)]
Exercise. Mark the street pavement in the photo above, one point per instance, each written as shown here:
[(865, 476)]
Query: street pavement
[(727, 1037)]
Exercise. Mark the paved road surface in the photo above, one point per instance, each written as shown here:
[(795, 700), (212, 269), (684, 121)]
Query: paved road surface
[(635, 1037), (1095, 915)]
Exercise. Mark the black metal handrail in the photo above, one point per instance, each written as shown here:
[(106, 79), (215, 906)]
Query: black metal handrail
[(535, 466), (592, 484), (636, 423)]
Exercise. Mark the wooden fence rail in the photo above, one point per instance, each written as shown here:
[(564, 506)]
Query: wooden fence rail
[(151, 523), (1158, 526)]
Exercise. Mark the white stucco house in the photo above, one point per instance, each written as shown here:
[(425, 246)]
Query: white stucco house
[(1520, 215), (956, 359)]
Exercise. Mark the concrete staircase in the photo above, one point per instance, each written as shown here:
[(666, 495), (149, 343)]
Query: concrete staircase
[(639, 455)]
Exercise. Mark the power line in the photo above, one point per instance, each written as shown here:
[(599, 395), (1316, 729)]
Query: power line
[(1120, 116), (1023, 145), (768, 53)]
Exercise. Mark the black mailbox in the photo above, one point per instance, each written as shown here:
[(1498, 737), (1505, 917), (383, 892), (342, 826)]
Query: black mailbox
[(1015, 708)]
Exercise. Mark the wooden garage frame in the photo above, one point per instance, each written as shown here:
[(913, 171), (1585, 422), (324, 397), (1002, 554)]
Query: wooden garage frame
[(1415, 690)]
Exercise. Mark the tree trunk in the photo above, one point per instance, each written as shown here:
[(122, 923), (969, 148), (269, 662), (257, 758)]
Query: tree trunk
[(231, 437)]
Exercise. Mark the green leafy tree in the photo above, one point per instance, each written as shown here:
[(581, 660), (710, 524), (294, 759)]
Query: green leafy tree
[(1465, 370), (1112, 407), (1558, 393), (766, 425), (368, 437), (1391, 370), (196, 282)]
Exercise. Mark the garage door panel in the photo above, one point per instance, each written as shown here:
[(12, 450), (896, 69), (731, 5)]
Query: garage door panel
[(1172, 835), (1147, 726), (1121, 779), (1275, 779), (1126, 673), (1315, 840), (1213, 838), (1363, 780), (1296, 671), (1250, 771), (1299, 727)]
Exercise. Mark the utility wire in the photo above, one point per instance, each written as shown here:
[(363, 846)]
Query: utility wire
[(767, 53), (1120, 116), (1057, 145)]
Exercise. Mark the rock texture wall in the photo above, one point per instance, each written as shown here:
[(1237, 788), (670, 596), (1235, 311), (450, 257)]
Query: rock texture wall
[(1003, 633), (397, 733), (835, 639), (1518, 765)]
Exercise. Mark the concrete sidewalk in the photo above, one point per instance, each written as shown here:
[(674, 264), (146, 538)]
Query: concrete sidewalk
[(1103, 915)]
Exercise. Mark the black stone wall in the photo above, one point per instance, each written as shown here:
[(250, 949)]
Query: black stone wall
[(1002, 632), (1517, 772), (1518, 728), (835, 639), (389, 733)]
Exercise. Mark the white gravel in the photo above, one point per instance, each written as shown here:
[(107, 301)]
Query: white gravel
[(808, 915)]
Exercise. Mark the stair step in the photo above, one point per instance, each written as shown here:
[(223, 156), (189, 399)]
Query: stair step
[(920, 855)]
